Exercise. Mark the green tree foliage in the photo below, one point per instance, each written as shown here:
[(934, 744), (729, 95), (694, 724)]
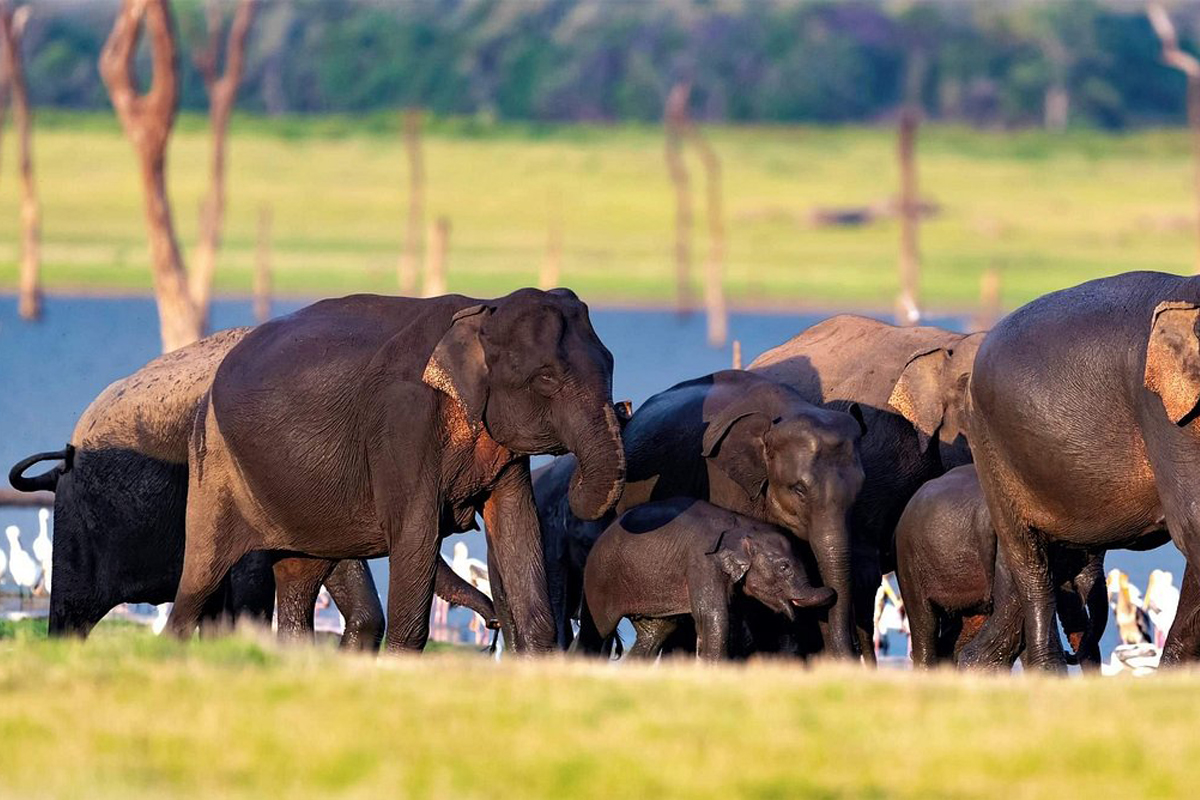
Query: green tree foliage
[(983, 63)]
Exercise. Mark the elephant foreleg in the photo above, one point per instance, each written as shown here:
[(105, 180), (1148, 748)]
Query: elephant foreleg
[(515, 548), (298, 581), (1183, 640)]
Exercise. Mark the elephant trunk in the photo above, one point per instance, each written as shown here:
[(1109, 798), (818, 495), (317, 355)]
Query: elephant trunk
[(829, 538), (599, 479)]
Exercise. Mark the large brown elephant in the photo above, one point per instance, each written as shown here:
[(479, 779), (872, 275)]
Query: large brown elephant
[(368, 426), (1084, 431), (120, 496), (911, 384)]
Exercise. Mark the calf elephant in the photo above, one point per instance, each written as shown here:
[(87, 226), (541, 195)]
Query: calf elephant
[(368, 426), (911, 385), (951, 577), (755, 447), (1084, 433), (120, 496), (663, 561)]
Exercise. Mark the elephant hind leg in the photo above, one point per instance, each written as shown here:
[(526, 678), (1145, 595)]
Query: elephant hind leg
[(923, 630), (353, 590), (215, 542), (298, 582), (652, 634)]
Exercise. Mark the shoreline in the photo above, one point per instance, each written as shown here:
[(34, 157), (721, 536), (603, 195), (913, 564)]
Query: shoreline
[(603, 302)]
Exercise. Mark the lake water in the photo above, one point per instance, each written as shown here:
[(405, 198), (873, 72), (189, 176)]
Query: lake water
[(51, 370)]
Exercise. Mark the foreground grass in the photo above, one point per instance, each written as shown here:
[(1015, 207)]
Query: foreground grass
[(129, 715), (1049, 210)]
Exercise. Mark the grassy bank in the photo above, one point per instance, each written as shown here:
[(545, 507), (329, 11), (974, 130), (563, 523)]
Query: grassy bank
[(1048, 210), (132, 716)]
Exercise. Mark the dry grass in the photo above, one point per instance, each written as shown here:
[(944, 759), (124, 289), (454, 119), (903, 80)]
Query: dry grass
[(128, 716)]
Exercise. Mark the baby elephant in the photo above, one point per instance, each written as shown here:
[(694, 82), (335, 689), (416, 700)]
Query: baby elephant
[(662, 562), (952, 579)]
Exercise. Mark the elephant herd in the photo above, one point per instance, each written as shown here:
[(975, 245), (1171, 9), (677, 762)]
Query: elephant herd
[(747, 511)]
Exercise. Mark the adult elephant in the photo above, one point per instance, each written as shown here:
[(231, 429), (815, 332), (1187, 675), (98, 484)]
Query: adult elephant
[(120, 495), (368, 426), (1084, 432), (911, 385), (755, 447)]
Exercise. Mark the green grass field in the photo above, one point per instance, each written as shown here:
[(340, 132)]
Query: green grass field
[(1049, 210), (128, 716)]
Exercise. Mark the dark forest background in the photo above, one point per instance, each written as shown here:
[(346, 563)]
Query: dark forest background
[(994, 64)]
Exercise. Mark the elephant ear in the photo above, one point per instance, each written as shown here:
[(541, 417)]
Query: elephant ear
[(917, 395), (1173, 358), (734, 561), (743, 459), (457, 367)]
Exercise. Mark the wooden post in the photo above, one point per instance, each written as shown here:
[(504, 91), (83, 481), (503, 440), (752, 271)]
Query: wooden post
[(989, 299), (737, 354), (147, 120), (675, 119), (222, 92), (262, 267), (406, 271), (12, 29), (1190, 67), (716, 313), (908, 308), (434, 283), (551, 271)]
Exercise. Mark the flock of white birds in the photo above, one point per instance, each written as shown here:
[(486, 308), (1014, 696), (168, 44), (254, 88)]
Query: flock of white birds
[(30, 573)]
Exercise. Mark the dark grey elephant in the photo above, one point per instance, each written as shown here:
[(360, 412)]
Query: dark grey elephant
[(566, 542), (911, 385), (1084, 431), (664, 561), (755, 447), (951, 577), (120, 495), (368, 426)]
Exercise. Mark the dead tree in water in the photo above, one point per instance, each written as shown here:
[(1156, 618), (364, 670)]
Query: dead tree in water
[(551, 271), (222, 92), (714, 267), (434, 283), (262, 267), (407, 268), (908, 308), (12, 29), (675, 120), (147, 120), (1189, 65)]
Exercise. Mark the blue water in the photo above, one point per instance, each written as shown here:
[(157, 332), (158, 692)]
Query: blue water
[(51, 370)]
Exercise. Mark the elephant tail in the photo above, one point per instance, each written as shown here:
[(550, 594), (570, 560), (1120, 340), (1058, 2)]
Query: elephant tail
[(47, 481)]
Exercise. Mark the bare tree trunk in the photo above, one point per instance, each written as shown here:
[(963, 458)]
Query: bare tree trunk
[(551, 271), (908, 303), (222, 93), (434, 284), (676, 121), (1189, 65), (262, 267), (407, 268), (147, 120), (714, 268), (12, 28)]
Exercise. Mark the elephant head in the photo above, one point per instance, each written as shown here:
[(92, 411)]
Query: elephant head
[(530, 370), (1173, 358), (812, 477), (768, 570), (931, 393)]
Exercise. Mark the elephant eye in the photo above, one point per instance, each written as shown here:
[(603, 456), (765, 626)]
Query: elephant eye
[(800, 490), (785, 568), (545, 383)]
